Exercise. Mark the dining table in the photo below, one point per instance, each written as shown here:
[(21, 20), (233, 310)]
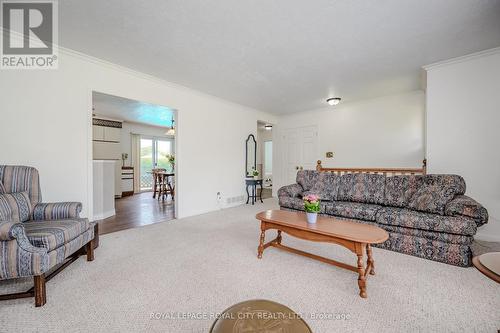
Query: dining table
[(167, 178)]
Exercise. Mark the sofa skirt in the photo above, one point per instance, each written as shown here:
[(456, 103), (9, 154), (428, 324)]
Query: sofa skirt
[(449, 253), (437, 246)]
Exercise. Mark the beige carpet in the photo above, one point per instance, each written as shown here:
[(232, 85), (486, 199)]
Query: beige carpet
[(199, 266)]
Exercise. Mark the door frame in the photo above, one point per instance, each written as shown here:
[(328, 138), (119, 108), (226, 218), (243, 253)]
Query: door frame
[(90, 149)]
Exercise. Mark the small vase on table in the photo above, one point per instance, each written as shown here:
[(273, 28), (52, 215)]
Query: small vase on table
[(312, 207)]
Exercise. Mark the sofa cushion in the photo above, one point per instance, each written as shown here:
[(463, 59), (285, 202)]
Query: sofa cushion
[(432, 198), (419, 220), (353, 210), (326, 186), (52, 234), (15, 207), (466, 206), (290, 202), (362, 187), (400, 189), (298, 204), (307, 178), (454, 181)]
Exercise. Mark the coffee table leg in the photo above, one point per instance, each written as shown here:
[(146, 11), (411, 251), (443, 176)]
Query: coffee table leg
[(361, 272), (370, 259), (261, 244), (278, 238)]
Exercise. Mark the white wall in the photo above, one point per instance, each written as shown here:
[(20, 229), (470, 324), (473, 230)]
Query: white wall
[(46, 122), (383, 132), (463, 128)]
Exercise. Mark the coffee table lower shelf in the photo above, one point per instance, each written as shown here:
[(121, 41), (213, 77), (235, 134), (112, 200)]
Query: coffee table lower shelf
[(358, 248)]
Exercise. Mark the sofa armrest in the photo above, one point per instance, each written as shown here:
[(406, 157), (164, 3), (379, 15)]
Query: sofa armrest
[(466, 206), (56, 211), (293, 191)]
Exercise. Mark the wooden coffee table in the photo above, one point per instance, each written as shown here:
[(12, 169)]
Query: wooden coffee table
[(354, 236)]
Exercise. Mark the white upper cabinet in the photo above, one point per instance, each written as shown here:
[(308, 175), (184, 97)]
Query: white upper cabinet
[(98, 133), (108, 134), (112, 134)]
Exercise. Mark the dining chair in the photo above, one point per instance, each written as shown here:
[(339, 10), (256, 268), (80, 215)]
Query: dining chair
[(157, 179)]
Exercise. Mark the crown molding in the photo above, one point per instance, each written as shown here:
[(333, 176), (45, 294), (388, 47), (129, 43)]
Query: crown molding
[(149, 77), (460, 59), (138, 74)]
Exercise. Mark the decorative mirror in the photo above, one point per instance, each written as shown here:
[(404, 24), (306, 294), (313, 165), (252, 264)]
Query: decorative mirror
[(251, 155)]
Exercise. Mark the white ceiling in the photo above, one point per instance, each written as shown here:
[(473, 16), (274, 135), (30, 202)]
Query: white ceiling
[(282, 55), (120, 108)]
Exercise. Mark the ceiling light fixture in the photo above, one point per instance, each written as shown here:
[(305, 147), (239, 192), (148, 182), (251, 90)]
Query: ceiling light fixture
[(268, 127), (333, 100), (171, 130)]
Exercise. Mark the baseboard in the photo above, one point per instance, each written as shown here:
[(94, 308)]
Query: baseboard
[(104, 215)]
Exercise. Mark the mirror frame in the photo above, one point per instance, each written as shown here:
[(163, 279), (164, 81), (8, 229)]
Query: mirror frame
[(252, 137)]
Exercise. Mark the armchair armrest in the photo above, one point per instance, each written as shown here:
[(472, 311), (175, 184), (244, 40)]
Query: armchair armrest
[(8, 230), (466, 206), (56, 211), (293, 191), (18, 257)]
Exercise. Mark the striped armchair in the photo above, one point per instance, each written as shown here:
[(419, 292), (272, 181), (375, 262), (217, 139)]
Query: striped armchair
[(37, 238)]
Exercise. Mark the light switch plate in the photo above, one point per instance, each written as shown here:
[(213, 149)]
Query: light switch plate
[(329, 154)]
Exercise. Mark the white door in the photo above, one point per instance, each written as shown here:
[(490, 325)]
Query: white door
[(301, 151)]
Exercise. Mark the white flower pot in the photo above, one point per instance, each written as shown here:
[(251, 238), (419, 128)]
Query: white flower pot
[(312, 217), (255, 177)]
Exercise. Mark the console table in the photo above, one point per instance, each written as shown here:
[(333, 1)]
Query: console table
[(252, 183)]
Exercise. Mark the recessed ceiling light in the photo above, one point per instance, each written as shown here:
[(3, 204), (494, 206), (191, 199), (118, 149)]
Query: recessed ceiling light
[(333, 100), (268, 127)]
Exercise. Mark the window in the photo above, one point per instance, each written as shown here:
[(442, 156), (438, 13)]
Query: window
[(154, 153)]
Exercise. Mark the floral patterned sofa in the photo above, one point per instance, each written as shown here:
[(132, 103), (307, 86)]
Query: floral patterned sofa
[(427, 216)]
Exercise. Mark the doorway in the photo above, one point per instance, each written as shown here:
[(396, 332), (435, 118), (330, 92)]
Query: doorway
[(129, 140), (265, 157)]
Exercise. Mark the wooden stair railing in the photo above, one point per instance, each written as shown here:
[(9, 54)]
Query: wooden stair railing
[(384, 171)]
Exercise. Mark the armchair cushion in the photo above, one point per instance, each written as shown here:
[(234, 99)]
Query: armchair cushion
[(2, 188), (56, 211), (15, 207), (466, 206), (53, 234), (18, 178)]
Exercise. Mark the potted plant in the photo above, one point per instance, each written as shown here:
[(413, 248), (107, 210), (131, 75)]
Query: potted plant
[(171, 160), (255, 174), (312, 207)]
